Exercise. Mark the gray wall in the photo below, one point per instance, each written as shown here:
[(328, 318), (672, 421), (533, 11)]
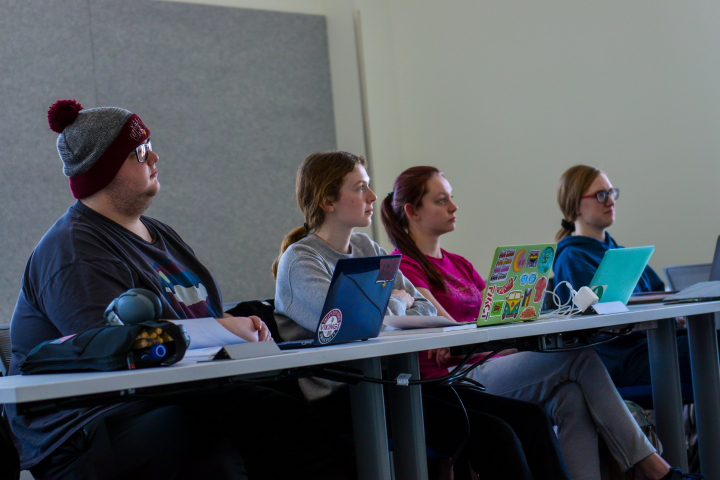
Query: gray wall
[(235, 99)]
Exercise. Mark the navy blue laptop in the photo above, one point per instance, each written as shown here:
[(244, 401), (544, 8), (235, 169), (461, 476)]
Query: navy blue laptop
[(356, 301)]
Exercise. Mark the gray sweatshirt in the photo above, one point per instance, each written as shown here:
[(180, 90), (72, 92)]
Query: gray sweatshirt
[(303, 280)]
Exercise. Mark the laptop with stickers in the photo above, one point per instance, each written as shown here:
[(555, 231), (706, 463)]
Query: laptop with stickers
[(619, 272), (356, 301), (516, 283)]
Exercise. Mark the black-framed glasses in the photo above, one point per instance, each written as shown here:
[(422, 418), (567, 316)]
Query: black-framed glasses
[(602, 196), (142, 151)]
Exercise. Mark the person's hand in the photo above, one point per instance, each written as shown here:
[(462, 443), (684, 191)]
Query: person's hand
[(250, 328), (264, 334), (409, 299), (442, 356)]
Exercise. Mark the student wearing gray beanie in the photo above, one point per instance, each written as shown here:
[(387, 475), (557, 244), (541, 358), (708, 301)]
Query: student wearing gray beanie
[(94, 143), (100, 248)]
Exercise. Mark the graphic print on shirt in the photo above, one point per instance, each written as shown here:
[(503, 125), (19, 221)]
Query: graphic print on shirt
[(184, 291), (465, 296)]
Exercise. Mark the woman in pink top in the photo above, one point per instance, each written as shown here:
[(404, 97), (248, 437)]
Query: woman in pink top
[(574, 387)]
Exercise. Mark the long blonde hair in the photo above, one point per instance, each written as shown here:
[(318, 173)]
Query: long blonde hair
[(319, 177), (573, 183)]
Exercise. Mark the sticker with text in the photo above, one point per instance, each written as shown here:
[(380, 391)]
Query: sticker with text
[(507, 287), (330, 326), (388, 269), (502, 266), (487, 304)]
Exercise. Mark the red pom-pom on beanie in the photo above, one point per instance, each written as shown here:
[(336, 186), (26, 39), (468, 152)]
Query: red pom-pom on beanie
[(62, 113)]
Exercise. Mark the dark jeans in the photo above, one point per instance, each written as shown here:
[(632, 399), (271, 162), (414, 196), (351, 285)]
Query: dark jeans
[(509, 438), (208, 436)]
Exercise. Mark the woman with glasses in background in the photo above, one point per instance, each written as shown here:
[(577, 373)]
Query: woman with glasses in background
[(587, 201)]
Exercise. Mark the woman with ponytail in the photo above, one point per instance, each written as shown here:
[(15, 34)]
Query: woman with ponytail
[(573, 387), (334, 196), (587, 201)]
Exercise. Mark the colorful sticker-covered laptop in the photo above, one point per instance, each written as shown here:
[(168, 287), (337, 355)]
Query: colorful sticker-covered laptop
[(516, 283)]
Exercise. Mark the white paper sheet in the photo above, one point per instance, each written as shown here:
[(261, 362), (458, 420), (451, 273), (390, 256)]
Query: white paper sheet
[(207, 332)]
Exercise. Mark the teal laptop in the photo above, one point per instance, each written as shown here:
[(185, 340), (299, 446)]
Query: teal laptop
[(619, 273)]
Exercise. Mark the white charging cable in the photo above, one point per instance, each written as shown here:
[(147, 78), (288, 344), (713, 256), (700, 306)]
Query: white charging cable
[(577, 303)]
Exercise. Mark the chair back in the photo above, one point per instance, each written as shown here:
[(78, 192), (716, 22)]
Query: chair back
[(9, 460), (5, 350), (683, 276)]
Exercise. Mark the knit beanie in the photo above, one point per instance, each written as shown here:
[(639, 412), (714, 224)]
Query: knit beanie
[(94, 143)]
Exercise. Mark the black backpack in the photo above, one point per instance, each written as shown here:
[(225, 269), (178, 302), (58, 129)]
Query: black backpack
[(110, 348), (260, 308)]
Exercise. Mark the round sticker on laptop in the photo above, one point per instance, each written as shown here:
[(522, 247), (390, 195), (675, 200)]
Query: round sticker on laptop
[(546, 259), (330, 326)]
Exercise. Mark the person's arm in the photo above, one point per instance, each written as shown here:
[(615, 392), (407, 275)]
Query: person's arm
[(76, 298), (442, 355), (431, 298), (303, 281), (420, 305), (251, 328)]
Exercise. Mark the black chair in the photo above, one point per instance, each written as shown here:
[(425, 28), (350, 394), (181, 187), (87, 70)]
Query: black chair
[(9, 460), (5, 350), (260, 308)]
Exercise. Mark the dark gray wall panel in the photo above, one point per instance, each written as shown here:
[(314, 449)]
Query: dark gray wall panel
[(45, 54), (235, 99)]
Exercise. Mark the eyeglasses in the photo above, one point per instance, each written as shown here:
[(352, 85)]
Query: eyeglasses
[(602, 196), (142, 151)]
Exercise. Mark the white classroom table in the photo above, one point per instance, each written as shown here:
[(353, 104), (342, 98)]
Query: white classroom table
[(405, 402)]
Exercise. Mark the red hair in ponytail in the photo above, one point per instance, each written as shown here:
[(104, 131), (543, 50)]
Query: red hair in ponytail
[(409, 188)]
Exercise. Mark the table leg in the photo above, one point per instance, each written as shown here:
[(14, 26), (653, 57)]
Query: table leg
[(667, 396), (408, 426), (369, 429), (706, 390)]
